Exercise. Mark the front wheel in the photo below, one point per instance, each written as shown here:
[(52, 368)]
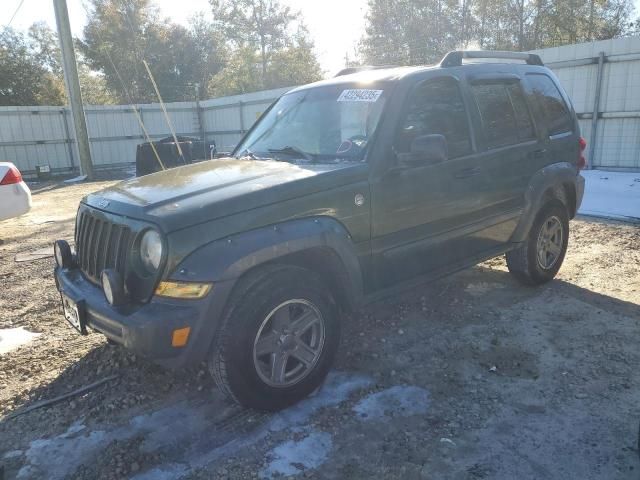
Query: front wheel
[(540, 258), (278, 339)]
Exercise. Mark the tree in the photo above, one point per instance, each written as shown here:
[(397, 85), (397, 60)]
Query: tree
[(267, 35), (24, 80), (406, 32), (120, 34), (46, 51), (421, 31), (209, 53)]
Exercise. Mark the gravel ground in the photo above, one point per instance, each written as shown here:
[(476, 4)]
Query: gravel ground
[(470, 377)]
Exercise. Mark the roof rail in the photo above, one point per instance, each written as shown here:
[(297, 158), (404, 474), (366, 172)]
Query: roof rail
[(362, 68), (454, 59)]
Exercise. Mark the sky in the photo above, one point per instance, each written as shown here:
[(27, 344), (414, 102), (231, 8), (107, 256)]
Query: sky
[(334, 25)]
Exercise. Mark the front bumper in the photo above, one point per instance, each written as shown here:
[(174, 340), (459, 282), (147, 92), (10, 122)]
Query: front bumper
[(147, 329)]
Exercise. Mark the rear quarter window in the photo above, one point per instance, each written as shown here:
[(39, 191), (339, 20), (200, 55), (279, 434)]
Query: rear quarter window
[(503, 110), (545, 93)]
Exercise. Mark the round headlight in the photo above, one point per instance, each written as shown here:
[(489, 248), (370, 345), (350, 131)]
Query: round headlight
[(62, 254), (151, 250), (107, 288), (113, 287), (57, 253)]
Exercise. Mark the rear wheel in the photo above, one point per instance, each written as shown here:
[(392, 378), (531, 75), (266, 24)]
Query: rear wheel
[(278, 339), (540, 258)]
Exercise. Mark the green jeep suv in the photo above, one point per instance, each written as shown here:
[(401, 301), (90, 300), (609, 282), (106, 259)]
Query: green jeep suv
[(345, 190)]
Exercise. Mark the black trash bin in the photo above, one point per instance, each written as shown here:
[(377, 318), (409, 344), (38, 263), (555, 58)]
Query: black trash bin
[(193, 149), (168, 152)]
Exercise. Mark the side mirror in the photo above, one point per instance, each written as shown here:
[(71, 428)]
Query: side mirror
[(426, 149)]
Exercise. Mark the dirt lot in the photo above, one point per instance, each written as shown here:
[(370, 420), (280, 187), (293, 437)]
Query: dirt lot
[(470, 377)]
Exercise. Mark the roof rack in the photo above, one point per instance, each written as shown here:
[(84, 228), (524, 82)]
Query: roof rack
[(454, 59), (362, 68)]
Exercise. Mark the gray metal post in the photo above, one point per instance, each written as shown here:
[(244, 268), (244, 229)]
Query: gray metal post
[(596, 111), (240, 106), (201, 128), (67, 132), (72, 83)]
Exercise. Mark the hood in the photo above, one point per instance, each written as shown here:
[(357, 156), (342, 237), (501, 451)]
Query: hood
[(184, 196)]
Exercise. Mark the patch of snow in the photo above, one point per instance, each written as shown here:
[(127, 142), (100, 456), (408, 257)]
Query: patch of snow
[(170, 471), (73, 429), (58, 456), (336, 390), (614, 195), (12, 338), (398, 401), (13, 454), (292, 457), (173, 424), (338, 387), (194, 431)]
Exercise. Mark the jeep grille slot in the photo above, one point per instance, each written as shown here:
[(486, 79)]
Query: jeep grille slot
[(101, 244)]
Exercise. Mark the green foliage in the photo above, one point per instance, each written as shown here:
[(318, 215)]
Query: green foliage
[(406, 32), (32, 71), (24, 80), (121, 33), (269, 47)]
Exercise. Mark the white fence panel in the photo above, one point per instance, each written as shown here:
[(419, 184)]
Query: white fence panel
[(32, 136), (617, 139)]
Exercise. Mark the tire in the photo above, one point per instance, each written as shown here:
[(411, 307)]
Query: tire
[(530, 264), (261, 305)]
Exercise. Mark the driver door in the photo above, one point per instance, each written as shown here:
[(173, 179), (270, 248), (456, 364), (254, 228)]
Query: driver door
[(420, 212)]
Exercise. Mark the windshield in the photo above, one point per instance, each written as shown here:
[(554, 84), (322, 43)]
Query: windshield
[(324, 124)]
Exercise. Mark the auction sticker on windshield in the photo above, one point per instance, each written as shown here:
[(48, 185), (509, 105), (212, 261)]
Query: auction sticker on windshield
[(360, 95)]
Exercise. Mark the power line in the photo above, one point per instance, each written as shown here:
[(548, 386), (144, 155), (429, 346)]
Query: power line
[(15, 13)]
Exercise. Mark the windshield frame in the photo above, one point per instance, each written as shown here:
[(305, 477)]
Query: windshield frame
[(386, 85)]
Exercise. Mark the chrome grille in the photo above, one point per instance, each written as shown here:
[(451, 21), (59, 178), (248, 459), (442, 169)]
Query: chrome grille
[(101, 244)]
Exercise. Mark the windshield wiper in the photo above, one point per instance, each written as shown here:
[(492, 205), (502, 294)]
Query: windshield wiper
[(294, 152)]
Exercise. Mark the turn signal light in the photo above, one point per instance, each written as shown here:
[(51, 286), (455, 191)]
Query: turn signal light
[(183, 290), (582, 162), (11, 177), (180, 337)]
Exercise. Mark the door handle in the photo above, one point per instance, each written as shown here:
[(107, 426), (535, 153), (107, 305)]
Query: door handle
[(468, 172)]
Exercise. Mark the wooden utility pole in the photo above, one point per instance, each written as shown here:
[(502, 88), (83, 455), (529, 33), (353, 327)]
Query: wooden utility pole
[(72, 83)]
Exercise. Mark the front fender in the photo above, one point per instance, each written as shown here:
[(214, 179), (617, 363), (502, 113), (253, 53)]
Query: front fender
[(550, 177), (229, 258)]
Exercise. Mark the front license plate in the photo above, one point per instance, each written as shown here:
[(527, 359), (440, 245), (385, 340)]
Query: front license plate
[(73, 313)]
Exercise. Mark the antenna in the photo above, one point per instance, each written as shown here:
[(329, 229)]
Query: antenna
[(164, 110)]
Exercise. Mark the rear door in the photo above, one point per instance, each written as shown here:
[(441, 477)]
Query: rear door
[(510, 151)]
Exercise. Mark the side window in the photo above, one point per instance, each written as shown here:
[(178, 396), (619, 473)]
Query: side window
[(436, 107), (497, 113), (523, 118), (554, 108)]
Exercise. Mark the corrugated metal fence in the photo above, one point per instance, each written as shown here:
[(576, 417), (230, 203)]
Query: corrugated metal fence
[(37, 136), (603, 80)]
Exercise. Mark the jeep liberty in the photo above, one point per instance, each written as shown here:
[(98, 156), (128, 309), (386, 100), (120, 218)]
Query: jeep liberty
[(344, 191)]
